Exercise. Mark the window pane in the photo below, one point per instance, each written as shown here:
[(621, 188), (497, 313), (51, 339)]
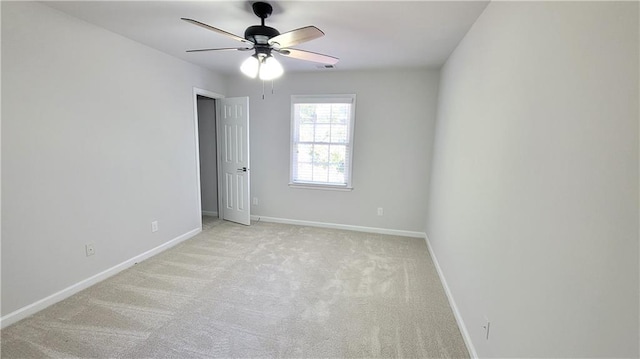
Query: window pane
[(321, 154), (304, 172), (306, 132), (320, 173), (339, 133), (304, 153), (340, 113), (306, 112), (323, 133), (337, 156), (336, 174), (323, 112)]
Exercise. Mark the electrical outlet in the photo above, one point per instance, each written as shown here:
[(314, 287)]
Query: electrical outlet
[(154, 226), (380, 211), (486, 327), (90, 249), (255, 201)]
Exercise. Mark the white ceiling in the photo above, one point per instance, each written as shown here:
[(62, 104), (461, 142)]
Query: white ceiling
[(363, 34)]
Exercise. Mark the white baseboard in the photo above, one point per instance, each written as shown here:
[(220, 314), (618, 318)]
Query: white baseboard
[(463, 328), (210, 213), (393, 232), (86, 283)]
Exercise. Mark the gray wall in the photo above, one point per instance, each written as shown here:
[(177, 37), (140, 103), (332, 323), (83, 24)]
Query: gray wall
[(533, 211), (98, 140), (395, 114), (208, 161)]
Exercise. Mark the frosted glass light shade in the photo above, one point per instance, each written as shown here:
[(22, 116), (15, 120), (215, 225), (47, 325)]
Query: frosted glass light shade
[(270, 69), (250, 67)]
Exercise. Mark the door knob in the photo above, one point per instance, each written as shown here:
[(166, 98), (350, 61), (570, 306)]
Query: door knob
[(243, 169)]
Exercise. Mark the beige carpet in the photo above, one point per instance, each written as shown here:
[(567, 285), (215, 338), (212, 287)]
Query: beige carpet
[(268, 290)]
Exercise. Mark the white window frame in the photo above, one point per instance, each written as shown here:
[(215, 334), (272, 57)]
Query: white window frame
[(337, 98)]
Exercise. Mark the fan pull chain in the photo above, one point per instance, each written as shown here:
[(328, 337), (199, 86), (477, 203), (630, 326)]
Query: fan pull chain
[(272, 88)]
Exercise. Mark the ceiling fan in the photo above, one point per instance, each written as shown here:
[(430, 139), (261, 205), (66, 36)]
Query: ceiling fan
[(265, 40)]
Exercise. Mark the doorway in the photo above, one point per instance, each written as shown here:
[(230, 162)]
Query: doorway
[(207, 143), (222, 156)]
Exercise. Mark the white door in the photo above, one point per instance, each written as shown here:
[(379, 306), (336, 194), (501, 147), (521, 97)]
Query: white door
[(233, 127)]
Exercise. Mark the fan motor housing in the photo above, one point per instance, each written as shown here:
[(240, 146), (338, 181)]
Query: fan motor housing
[(260, 34)]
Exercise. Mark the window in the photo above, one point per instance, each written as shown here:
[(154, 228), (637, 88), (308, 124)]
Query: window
[(322, 141)]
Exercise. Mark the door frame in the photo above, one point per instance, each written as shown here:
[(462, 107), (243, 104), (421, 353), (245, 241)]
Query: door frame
[(215, 96)]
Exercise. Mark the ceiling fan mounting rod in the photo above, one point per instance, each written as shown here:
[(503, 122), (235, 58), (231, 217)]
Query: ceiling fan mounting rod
[(262, 10), (260, 34)]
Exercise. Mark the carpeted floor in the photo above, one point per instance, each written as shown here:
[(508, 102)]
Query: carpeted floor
[(268, 290)]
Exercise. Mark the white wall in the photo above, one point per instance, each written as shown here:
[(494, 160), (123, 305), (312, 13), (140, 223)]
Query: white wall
[(395, 114), (97, 141), (208, 161), (533, 211)]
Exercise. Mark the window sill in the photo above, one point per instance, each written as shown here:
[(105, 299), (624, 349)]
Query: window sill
[(320, 187)]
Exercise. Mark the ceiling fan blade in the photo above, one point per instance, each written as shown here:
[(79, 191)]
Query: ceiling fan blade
[(309, 56), (215, 29), (223, 49), (297, 36)]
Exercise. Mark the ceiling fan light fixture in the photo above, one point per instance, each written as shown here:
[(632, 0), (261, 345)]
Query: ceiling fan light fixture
[(251, 66), (270, 69)]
